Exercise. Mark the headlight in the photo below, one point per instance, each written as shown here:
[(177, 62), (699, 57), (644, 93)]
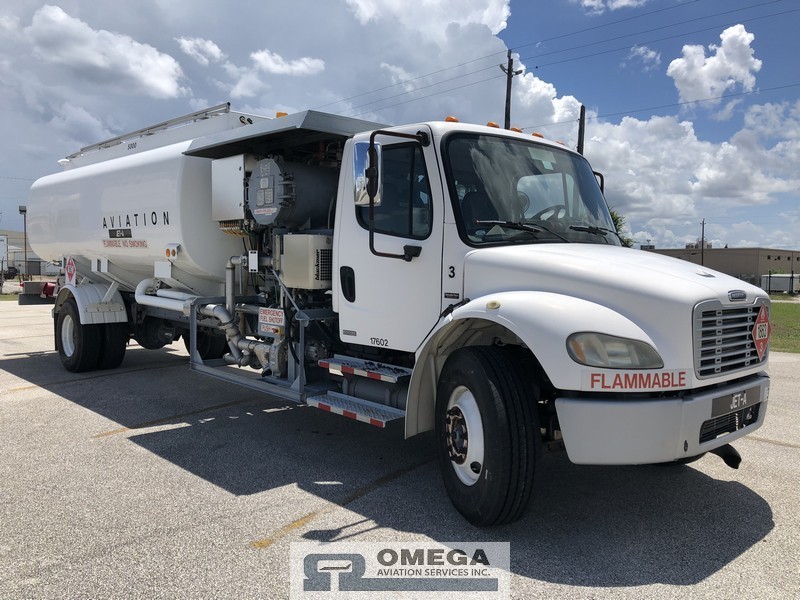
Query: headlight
[(611, 352)]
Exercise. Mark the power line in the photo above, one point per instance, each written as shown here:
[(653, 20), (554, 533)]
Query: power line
[(431, 95), (16, 178), (662, 27), (416, 90), (558, 62)]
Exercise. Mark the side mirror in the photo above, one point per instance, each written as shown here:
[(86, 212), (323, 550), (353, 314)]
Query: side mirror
[(367, 174)]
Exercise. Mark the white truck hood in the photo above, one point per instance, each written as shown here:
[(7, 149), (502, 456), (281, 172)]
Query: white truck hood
[(656, 292)]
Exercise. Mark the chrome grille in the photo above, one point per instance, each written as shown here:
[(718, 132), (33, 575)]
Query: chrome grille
[(723, 338)]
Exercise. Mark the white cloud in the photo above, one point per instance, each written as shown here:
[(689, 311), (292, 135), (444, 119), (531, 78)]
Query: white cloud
[(9, 24), (649, 58), (698, 77), (399, 76), (103, 57), (727, 111), (203, 51), (78, 124), (537, 102), (596, 7), (664, 178), (438, 14), (274, 63), (247, 82)]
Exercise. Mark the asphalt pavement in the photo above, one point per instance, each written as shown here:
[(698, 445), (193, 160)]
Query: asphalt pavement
[(151, 481)]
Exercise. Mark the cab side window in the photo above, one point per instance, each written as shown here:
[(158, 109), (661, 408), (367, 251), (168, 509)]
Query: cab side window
[(406, 209)]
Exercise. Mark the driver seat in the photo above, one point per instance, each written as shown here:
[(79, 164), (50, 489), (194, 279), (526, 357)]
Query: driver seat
[(476, 206)]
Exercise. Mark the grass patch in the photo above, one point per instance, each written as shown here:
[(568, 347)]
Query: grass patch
[(8, 297), (785, 322)]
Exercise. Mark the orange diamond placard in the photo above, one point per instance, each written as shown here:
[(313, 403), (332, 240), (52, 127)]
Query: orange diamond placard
[(761, 331), (71, 271)]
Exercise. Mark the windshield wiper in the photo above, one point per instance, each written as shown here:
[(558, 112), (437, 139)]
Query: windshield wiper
[(597, 231), (522, 226)]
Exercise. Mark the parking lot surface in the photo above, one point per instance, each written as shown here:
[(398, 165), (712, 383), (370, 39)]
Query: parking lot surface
[(151, 481)]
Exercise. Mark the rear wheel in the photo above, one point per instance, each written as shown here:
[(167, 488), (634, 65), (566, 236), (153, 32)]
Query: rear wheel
[(488, 433), (115, 341), (209, 346), (78, 345)]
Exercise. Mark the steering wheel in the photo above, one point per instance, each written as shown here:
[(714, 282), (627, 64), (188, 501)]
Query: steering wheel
[(551, 213)]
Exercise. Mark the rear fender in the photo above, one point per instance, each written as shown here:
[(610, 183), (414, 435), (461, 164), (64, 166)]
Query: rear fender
[(91, 307)]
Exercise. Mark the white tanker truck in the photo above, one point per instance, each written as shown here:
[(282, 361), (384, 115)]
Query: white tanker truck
[(466, 279)]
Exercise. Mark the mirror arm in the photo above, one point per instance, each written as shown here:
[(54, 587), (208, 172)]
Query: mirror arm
[(601, 181)]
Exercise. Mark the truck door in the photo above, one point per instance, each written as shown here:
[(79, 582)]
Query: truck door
[(382, 301)]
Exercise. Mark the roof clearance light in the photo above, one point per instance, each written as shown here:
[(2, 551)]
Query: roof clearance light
[(451, 119), (517, 129), (537, 134), (280, 114), (492, 124)]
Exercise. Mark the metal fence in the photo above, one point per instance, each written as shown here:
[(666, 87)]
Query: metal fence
[(14, 269)]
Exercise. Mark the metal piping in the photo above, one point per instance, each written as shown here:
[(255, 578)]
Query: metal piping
[(230, 281), (142, 297), (176, 295)]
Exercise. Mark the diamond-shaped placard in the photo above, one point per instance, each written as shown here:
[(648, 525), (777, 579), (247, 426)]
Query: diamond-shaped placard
[(761, 331)]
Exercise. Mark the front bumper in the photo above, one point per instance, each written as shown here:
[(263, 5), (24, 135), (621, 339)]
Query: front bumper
[(617, 431)]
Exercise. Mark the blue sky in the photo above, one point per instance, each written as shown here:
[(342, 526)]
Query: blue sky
[(74, 72)]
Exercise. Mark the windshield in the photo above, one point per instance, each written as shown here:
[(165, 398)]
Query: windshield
[(509, 191)]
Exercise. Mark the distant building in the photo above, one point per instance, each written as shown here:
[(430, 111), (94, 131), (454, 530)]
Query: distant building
[(15, 255), (749, 264)]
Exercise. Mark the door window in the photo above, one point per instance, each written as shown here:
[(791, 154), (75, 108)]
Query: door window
[(405, 209)]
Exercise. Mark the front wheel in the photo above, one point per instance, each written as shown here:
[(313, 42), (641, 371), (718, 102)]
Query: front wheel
[(78, 345), (488, 433)]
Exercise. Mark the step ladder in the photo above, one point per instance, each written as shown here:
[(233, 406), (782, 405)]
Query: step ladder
[(356, 408), (344, 365)]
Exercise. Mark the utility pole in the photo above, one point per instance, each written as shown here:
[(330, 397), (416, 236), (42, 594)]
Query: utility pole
[(702, 241), (510, 72), (23, 210), (582, 132)]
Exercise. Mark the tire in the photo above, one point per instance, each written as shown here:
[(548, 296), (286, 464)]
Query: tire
[(488, 433), (115, 341), (78, 345), (209, 346)]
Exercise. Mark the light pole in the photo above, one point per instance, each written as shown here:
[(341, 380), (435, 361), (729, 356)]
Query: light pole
[(23, 210)]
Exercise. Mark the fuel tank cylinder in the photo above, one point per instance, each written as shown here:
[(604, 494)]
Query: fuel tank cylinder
[(133, 210)]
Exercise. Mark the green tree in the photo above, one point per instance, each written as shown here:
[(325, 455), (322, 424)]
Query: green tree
[(619, 225)]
